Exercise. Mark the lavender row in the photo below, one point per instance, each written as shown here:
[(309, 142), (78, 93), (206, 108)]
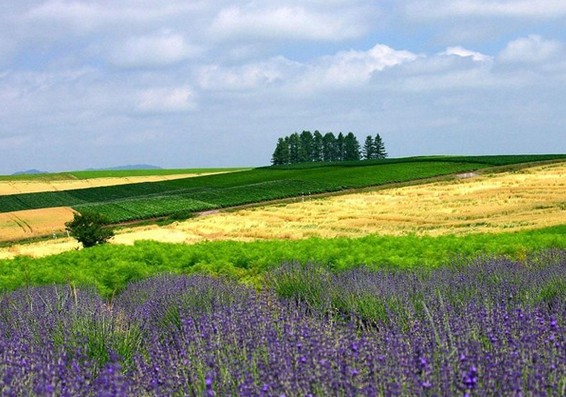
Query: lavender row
[(492, 327)]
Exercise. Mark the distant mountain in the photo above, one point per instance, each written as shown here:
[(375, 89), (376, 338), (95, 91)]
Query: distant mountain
[(127, 167), (28, 172)]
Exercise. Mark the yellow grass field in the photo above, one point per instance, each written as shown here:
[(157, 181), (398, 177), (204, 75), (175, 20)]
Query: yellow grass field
[(525, 199), (36, 186), (18, 225)]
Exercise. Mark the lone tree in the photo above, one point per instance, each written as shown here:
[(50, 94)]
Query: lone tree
[(88, 229)]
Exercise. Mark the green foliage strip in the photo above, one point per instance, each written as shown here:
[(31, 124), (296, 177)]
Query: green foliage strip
[(110, 267)]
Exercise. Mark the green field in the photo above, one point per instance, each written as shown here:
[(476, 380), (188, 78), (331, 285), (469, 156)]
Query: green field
[(74, 175), (156, 199), (110, 267)]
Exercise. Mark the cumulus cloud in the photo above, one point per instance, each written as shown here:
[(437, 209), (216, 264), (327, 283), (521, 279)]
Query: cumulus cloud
[(464, 53), (166, 100), (345, 69), (352, 68), (107, 73), (487, 8), (152, 51), (532, 49), (83, 16), (289, 22), (248, 76)]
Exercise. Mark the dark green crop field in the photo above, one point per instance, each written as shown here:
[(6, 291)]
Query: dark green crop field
[(182, 196)]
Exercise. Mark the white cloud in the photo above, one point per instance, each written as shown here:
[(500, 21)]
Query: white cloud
[(353, 68), (152, 51), (86, 15), (464, 53), (344, 70), (128, 71), (290, 22), (532, 49), (166, 100), (80, 14), (487, 8), (129, 138), (249, 76)]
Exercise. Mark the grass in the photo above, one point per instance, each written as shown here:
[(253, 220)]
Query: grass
[(109, 268), (74, 175)]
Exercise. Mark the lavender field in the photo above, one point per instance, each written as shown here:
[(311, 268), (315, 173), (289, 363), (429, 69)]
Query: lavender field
[(489, 327)]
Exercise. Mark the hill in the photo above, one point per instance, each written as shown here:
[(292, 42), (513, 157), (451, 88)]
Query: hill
[(184, 196), (29, 172)]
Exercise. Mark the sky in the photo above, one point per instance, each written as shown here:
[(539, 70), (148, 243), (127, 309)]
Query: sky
[(191, 83)]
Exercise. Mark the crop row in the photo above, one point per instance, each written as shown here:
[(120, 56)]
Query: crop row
[(241, 187), (220, 191), (260, 184), (136, 209), (490, 161)]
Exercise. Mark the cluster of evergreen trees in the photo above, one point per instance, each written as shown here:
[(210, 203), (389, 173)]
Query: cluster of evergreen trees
[(308, 146)]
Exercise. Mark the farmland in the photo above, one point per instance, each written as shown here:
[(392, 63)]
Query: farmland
[(530, 198), (455, 286), (255, 185), (40, 222), (522, 199), (20, 184)]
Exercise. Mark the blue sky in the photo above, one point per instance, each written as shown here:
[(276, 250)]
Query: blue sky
[(195, 83)]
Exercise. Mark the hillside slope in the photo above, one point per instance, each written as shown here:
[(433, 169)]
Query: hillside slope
[(530, 198), (183, 196)]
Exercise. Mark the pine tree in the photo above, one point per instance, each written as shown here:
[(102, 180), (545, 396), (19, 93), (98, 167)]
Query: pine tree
[(380, 152), (306, 152), (294, 148), (351, 147), (340, 147), (317, 145), (281, 153), (369, 148), (329, 147)]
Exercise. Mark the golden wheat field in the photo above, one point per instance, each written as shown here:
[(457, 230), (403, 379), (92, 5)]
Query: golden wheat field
[(525, 199), (18, 225), (37, 186)]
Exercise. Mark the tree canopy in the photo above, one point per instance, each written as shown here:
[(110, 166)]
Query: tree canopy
[(89, 229), (315, 147)]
